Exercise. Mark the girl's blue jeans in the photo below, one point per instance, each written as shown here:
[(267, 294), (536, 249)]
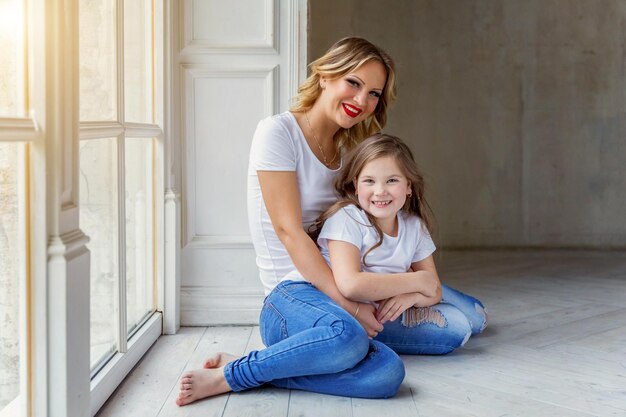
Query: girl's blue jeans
[(315, 345)]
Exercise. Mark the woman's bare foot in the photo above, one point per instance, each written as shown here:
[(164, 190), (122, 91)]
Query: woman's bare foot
[(218, 360), (201, 383)]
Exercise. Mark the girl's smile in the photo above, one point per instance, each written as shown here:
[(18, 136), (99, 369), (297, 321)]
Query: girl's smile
[(382, 190)]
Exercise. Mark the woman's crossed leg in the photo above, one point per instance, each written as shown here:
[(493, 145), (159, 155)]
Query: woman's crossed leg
[(313, 344)]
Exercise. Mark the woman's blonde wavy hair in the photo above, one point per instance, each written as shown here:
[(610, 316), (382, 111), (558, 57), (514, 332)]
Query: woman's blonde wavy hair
[(347, 55)]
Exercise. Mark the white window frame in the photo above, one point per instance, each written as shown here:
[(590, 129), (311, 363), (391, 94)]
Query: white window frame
[(55, 338), (130, 351)]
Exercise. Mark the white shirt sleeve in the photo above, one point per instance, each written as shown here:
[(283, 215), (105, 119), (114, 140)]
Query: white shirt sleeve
[(425, 245), (344, 225), (272, 147)]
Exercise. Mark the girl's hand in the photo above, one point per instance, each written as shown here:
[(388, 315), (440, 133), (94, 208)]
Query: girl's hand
[(367, 317), (391, 308)]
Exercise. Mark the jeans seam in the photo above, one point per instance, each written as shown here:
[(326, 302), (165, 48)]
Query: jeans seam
[(291, 298), (343, 328), (283, 325)]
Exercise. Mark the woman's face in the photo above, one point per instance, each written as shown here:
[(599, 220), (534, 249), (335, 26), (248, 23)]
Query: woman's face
[(353, 97)]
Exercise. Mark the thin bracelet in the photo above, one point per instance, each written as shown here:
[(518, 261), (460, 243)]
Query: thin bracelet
[(358, 305)]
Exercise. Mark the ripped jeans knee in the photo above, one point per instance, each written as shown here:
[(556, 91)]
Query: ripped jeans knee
[(435, 330)]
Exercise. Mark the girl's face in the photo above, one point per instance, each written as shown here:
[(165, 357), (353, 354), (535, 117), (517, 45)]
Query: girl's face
[(382, 189), (353, 97)]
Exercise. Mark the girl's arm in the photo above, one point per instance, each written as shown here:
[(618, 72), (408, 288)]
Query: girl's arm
[(432, 297), (391, 308), (282, 200), (369, 286)]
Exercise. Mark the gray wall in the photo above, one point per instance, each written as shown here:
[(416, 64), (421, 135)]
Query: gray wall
[(515, 109)]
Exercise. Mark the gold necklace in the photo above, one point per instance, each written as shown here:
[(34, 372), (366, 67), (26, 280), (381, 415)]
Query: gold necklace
[(328, 164)]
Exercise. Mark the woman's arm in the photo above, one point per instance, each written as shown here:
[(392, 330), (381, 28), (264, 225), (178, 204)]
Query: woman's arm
[(355, 284), (282, 200)]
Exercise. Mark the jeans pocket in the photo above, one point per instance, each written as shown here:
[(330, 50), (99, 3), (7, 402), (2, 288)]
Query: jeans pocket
[(273, 325)]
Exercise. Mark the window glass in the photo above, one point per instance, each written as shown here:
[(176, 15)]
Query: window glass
[(138, 61), (11, 59), (11, 273), (99, 221), (139, 154), (98, 67)]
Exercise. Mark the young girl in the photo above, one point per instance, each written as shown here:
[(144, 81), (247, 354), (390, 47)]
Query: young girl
[(377, 240)]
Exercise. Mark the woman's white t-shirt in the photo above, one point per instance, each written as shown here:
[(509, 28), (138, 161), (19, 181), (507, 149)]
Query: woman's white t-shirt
[(279, 145), (396, 254)]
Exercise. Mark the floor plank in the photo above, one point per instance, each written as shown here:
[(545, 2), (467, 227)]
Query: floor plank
[(436, 395), (402, 405), (307, 404), (220, 339), (142, 392), (555, 346)]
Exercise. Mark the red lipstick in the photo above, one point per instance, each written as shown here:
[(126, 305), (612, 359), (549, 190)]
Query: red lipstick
[(350, 110)]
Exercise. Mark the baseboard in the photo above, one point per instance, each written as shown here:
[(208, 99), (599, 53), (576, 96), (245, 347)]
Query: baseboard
[(210, 306)]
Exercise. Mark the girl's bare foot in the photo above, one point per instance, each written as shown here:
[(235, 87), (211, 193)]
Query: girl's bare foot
[(201, 383), (218, 360)]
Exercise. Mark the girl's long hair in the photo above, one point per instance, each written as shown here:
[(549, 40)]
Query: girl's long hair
[(374, 147), (347, 55)]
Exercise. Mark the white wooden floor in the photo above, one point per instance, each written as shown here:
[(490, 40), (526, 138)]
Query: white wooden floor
[(556, 346)]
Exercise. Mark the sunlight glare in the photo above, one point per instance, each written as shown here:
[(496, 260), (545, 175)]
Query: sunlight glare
[(10, 18)]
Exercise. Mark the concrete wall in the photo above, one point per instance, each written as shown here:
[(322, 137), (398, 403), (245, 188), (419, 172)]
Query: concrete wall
[(515, 109)]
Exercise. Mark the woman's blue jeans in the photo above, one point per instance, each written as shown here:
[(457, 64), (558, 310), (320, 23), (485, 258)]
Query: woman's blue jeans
[(315, 345)]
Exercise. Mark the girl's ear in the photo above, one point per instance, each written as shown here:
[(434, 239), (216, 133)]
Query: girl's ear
[(355, 187)]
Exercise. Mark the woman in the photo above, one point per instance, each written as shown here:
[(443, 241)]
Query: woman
[(317, 339)]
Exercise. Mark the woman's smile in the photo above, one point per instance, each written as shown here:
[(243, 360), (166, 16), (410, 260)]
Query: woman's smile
[(350, 110)]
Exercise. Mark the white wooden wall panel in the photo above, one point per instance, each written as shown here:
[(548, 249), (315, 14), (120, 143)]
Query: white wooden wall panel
[(238, 62), (232, 27), (218, 141)]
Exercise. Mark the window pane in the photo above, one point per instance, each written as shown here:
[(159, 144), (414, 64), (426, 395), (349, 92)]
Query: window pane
[(138, 61), (11, 58), (98, 97), (12, 273), (139, 230), (99, 221)]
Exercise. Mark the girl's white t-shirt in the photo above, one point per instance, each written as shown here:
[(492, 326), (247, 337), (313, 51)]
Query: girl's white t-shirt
[(279, 145), (396, 254)]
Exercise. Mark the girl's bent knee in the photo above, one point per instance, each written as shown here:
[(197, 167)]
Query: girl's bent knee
[(459, 331), (479, 321)]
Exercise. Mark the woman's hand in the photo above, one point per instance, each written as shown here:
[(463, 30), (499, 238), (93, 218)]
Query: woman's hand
[(391, 308), (367, 317)]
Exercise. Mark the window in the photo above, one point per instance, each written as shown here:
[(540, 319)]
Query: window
[(107, 185), (12, 275), (14, 278), (118, 170)]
